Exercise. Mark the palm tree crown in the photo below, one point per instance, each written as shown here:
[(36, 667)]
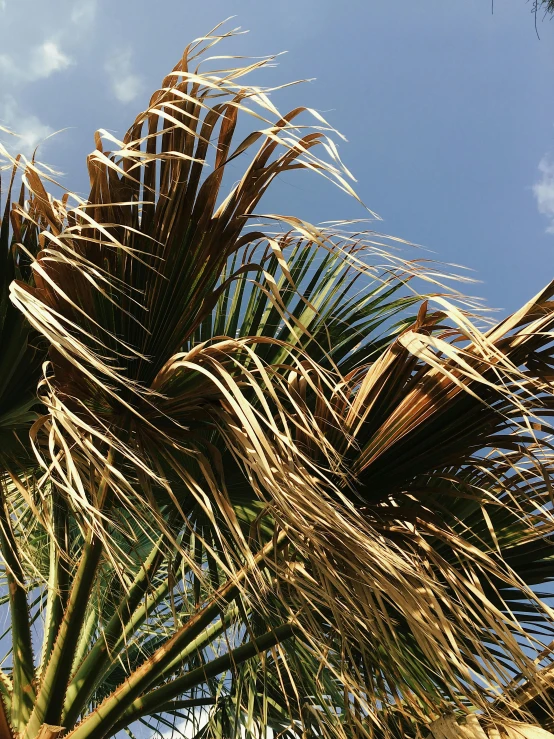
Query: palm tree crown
[(259, 476)]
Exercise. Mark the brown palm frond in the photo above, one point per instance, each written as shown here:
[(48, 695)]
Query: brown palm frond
[(432, 424)]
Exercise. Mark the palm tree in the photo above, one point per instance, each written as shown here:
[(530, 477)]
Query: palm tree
[(276, 480)]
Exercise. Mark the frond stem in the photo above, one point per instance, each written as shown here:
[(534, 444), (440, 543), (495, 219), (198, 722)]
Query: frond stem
[(155, 700), (100, 656), (23, 662), (49, 703), (101, 722)]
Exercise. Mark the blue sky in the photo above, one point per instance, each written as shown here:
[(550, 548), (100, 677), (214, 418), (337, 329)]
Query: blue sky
[(448, 108)]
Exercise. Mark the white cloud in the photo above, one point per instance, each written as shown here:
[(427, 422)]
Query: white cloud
[(46, 59), (125, 84), (544, 191), (29, 129), (83, 14), (55, 33), (6, 64), (41, 62), (189, 728)]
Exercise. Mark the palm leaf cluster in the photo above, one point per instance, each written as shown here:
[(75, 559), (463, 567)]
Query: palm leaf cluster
[(259, 478)]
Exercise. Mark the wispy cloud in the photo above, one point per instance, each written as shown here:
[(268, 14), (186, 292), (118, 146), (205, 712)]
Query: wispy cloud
[(46, 59), (29, 129), (544, 190), (125, 84), (83, 13), (57, 34), (189, 727), (41, 61)]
